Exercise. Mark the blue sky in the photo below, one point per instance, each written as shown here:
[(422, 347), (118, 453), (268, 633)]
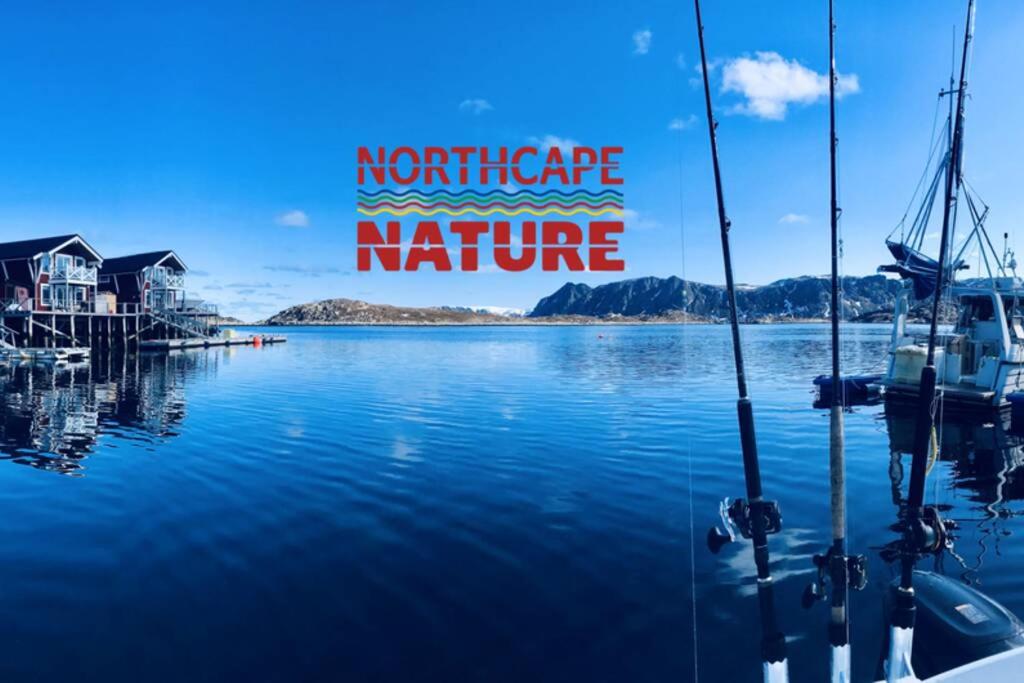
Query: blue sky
[(228, 131)]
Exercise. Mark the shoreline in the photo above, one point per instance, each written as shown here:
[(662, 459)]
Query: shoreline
[(553, 323)]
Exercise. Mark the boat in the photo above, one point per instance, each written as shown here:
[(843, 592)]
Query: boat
[(981, 360), (939, 628)]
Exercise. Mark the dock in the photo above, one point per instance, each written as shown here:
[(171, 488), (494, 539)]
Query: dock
[(166, 345), (11, 354)]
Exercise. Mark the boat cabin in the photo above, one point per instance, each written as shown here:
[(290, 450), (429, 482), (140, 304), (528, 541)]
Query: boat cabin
[(154, 281), (52, 274), (981, 359)]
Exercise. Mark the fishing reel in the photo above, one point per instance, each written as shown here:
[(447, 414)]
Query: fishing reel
[(929, 534), (855, 570), (738, 516)]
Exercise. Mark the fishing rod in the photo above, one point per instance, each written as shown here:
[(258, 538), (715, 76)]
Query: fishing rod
[(924, 531), (844, 571), (755, 518)]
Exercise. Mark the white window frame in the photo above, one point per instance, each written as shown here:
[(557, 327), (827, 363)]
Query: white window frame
[(64, 258), (45, 295)]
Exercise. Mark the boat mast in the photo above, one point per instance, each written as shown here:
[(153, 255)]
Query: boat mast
[(755, 517), (923, 532)]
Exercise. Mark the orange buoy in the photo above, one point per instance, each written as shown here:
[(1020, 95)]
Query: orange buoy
[(257, 341)]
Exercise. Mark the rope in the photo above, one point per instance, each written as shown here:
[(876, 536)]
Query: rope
[(933, 145)]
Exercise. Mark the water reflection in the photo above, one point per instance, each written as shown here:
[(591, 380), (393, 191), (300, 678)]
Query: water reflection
[(983, 458), (52, 417)]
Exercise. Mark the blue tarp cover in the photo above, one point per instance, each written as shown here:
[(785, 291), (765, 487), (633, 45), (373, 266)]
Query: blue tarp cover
[(914, 266)]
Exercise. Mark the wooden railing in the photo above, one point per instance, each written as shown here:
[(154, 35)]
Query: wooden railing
[(16, 306), (168, 281), (85, 274)]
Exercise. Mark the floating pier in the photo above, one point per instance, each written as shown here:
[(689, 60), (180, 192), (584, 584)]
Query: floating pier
[(195, 343), (11, 354)]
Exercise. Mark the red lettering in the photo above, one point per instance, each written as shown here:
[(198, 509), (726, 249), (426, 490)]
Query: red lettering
[(469, 232), (429, 233), (601, 245), (555, 248), (432, 167), (608, 164), (517, 174), (553, 165), (371, 242), (463, 153), (503, 250), (579, 166), (377, 167), (396, 159)]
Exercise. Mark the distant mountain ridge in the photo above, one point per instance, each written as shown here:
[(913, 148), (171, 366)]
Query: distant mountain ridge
[(648, 299), (806, 297)]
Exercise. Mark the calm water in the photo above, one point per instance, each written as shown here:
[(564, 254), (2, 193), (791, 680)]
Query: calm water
[(448, 505)]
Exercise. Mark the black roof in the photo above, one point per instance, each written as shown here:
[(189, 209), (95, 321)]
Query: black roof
[(29, 248), (136, 262)]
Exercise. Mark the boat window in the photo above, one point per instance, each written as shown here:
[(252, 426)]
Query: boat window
[(982, 309)]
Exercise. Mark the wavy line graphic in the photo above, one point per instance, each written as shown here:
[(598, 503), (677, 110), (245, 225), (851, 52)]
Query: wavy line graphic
[(489, 201), (491, 194), (491, 205), (487, 212)]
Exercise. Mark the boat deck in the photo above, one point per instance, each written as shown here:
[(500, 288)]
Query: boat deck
[(963, 394)]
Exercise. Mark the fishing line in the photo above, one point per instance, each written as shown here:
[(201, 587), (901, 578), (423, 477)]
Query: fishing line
[(689, 450)]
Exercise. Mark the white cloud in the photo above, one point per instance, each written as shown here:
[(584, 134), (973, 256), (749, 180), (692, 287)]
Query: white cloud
[(771, 83), (683, 123), (642, 41), (549, 141), (509, 188), (293, 219), (637, 220), (475, 105), (794, 218), (680, 61)]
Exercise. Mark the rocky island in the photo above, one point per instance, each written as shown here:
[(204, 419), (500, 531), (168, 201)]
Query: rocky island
[(640, 300)]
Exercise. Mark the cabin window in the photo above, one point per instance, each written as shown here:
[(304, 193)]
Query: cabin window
[(63, 263), (82, 293), (148, 299), (44, 263), (79, 262), (44, 295)]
